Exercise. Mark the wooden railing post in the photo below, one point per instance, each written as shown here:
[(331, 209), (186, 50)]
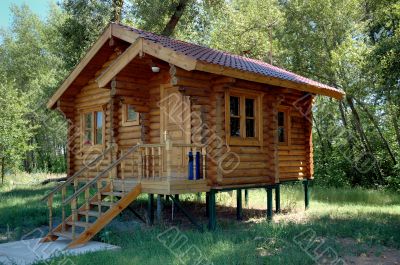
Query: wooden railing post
[(168, 154), (98, 183), (112, 174), (74, 216), (87, 204), (153, 172), (160, 161), (63, 193), (50, 205), (147, 161), (204, 153)]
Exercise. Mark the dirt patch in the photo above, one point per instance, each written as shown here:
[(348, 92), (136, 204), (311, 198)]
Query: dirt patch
[(376, 255)]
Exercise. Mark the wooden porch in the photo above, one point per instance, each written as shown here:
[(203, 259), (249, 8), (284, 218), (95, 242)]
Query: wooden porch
[(89, 202)]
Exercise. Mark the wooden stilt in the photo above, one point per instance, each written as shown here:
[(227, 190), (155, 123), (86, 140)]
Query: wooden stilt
[(207, 204), (150, 209), (239, 209), (269, 203), (159, 208), (212, 215), (306, 194), (278, 198)]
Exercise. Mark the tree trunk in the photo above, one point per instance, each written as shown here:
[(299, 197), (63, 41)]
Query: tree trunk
[(378, 130), (117, 5), (394, 111), (355, 179), (173, 21), (395, 120), (2, 170), (364, 139)]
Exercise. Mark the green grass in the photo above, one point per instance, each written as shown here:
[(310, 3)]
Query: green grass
[(367, 217)]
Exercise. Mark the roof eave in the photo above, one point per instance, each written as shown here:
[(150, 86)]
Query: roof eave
[(231, 72), (111, 30)]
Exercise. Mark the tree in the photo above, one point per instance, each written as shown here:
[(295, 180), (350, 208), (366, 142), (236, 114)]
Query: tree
[(31, 66), (84, 21), (15, 130)]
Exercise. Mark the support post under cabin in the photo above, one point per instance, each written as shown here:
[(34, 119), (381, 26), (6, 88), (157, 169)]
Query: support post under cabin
[(150, 209), (207, 204), (212, 214), (269, 203), (306, 194), (239, 208), (278, 198), (159, 208), (246, 197)]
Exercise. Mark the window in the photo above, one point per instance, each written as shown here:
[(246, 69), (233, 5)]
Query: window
[(283, 126), (243, 118), (93, 129), (129, 116)]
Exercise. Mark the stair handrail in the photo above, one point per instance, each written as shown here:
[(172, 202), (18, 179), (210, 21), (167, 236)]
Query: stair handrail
[(95, 179), (78, 173)]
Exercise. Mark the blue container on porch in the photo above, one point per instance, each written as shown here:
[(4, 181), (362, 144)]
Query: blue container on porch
[(190, 166), (198, 166)]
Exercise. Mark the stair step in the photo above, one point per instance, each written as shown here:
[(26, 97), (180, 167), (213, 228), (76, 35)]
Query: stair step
[(116, 194), (80, 224), (103, 203), (90, 213)]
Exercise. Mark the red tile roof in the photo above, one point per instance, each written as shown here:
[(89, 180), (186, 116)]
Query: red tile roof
[(217, 57)]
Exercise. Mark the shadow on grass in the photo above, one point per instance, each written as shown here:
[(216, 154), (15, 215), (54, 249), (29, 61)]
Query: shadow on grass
[(36, 190)]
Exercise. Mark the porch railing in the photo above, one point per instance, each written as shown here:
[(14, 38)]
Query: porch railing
[(166, 161)]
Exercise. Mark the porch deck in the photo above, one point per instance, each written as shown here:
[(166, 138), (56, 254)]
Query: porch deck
[(163, 185)]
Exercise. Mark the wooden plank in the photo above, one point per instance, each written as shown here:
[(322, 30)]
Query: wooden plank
[(169, 55), (123, 33), (123, 60)]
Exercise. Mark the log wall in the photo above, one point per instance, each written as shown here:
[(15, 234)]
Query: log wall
[(227, 165)]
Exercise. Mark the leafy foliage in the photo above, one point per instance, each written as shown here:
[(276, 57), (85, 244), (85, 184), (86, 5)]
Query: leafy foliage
[(15, 130)]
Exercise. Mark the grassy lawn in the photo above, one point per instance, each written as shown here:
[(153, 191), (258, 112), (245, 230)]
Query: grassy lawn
[(342, 222)]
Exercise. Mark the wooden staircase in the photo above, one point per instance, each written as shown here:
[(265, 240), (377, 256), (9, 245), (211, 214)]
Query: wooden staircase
[(86, 209), (86, 222), (96, 208)]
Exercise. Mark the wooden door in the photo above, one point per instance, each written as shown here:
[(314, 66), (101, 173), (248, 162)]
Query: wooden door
[(175, 119)]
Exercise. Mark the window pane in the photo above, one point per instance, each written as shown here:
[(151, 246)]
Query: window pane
[(88, 123), (99, 136), (234, 108), (99, 119), (235, 127), (131, 113), (88, 120), (250, 128), (99, 127), (281, 118), (88, 137), (249, 107), (281, 134)]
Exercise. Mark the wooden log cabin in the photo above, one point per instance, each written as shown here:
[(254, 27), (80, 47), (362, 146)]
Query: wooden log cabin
[(151, 114)]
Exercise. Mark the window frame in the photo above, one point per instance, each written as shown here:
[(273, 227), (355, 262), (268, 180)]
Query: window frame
[(93, 112), (125, 121), (286, 124), (243, 140)]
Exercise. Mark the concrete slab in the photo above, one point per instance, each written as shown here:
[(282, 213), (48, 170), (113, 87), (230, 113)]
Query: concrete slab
[(27, 252)]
